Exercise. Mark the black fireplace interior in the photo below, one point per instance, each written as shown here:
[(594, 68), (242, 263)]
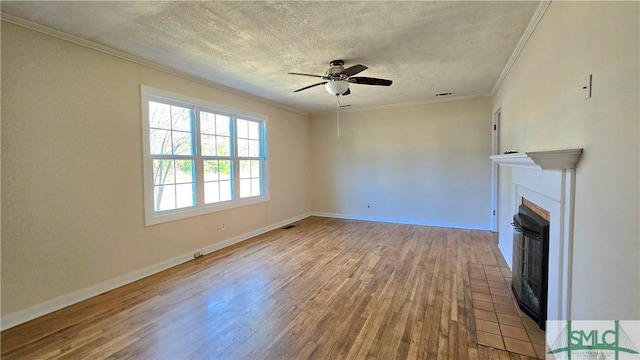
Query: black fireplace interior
[(531, 263)]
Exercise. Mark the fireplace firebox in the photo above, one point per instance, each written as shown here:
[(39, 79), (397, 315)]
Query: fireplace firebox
[(530, 263)]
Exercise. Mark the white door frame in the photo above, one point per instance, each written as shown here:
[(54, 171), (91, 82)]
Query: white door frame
[(495, 170)]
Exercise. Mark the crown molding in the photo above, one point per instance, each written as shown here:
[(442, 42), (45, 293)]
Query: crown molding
[(537, 16), (140, 61), (542, 7), (397, 105)]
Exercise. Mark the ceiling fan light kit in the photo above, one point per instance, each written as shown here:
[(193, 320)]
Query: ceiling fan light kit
[(337, 87)]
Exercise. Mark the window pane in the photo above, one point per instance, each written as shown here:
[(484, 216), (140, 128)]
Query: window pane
[(184, 171), (159, 115), (200, 156), (181, 118), (255, 187), (211, 192), (254, 130), (225, 169), (225, 190), (160, 142), (207, 123), (243, 147), (223, 146), (243, 128), (222, 125), (245, 188), (185, 195), (163, 172), (254, 148), (208, 145), (164, 197), (181, 143), (211, 170), (245, 169), (255, 168)]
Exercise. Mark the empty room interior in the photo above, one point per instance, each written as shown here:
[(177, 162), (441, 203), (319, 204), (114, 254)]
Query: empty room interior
[(292, 180)]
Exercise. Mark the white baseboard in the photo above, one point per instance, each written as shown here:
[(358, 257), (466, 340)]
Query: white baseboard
[(22, 316), (405, 221), (507, 255)]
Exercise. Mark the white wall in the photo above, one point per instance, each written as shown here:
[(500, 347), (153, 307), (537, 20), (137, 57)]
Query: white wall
[(424, 164), (72, 190), (543, 109)]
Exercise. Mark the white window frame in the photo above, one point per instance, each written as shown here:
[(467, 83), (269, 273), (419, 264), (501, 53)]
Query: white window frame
[(152, 217)]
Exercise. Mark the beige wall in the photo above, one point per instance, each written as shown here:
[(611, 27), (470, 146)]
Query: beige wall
[(72, 159), (423, 164), (72, 190), (543, 109)]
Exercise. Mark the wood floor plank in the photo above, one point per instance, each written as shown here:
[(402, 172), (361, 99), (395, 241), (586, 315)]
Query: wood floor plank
[(327, 288)]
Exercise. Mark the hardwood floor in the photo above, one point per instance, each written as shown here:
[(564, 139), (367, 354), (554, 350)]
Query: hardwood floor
[(325, 289)]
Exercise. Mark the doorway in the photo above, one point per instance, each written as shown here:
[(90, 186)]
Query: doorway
[(495, 170)]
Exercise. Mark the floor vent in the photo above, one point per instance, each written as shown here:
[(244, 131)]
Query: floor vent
[(288, 227)]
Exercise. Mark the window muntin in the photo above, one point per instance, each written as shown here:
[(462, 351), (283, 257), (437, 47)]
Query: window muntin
[(172, 150), (218, 182), (170, 129), (216, 146), (250, 178), (173, 184), (200, 157), (249, 155)]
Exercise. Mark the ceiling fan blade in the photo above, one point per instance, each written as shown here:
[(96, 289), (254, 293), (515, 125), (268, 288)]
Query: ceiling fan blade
[(310, 86), (318, 76), (369, 81), (355, 69), (346, 92)]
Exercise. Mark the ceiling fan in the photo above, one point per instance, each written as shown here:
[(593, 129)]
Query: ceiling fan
[(337, 78)]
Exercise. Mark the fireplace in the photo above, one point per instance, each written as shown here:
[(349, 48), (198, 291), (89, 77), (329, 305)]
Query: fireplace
[(531, 262), (546, 178)]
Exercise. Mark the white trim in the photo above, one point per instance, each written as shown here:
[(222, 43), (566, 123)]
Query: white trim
[(22, 316), (403, 221), (151, 217), (138, 60), (535, 19), (507, 254), (552, 190), (170, 95), (540, 160), (568, 196), (495, 169), (397, 105)]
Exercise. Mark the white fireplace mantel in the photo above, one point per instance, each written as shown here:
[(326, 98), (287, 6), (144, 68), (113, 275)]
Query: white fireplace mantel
[(540, 160), (546, 178)]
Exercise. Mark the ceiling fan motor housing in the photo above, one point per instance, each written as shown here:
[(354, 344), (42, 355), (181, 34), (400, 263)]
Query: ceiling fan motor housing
[(335, 69)]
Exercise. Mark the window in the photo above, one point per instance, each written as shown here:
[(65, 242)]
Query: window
[(199, 157)]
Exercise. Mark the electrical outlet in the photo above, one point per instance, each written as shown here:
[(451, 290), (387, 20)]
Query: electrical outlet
[(223, 225)]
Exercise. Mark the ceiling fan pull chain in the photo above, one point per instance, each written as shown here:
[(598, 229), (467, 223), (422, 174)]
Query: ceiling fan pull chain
[(338, 111)]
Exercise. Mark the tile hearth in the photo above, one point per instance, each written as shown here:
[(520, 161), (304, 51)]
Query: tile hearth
[(499, 322)]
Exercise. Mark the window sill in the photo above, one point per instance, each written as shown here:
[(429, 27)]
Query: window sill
[(172, 215)]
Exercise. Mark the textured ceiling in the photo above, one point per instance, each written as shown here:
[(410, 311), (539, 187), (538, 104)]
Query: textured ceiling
[(424, 47)]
